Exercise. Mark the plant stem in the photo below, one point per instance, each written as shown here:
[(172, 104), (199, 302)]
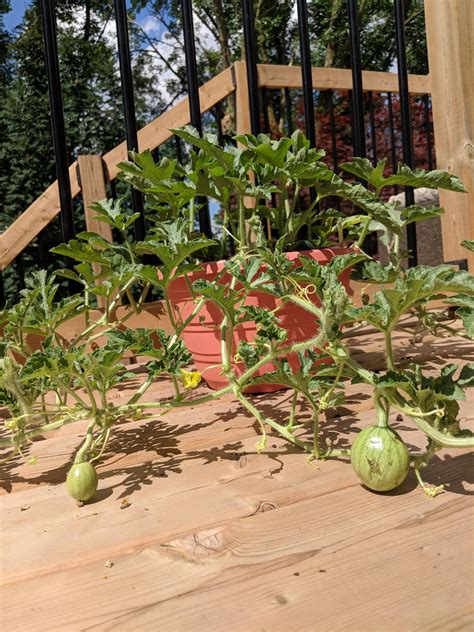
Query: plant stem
[(443, 439), (389, 350), (381, 410), (104, 443), (276, 426), (84, 449), (291, 421), (364, 232), (176, 387), (191, 215), (242, 231)]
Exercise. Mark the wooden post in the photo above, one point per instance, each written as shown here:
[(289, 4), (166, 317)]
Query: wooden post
[(450, 37), (243, 124), (242, 103), (93, 186), (92, 180)]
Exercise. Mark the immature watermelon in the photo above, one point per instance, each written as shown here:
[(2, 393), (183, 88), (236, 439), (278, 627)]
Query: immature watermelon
[(81, 481), (380, 458)]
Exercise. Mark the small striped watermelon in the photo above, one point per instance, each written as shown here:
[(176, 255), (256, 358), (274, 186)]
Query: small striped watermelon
[(81, 481), (380, 458)]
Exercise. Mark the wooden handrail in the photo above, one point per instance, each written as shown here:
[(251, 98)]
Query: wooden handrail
[(45, 208), (275, 77)]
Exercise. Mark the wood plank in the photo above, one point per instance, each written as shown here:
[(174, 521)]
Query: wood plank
[(278, 76), (55, 451), (92, 181), (181, 449), (346, 540), (32, 221), (226, 527), (450, 38), (242, 116), (93, 187), (242, 103), (319, 563), (45, 208)]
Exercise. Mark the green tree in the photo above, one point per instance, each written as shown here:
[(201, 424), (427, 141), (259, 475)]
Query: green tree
[(91, 97)]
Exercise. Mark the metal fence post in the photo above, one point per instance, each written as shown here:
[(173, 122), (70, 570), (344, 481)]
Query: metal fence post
[(128, 104), (405, 117), (306, 70), (57, 118), (358, 133), (193, 97), (251, 59)]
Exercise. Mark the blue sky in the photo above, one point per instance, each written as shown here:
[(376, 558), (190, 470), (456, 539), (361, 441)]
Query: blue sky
[(17, 9)]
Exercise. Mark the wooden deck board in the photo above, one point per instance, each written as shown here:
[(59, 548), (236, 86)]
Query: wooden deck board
[(217, 537)]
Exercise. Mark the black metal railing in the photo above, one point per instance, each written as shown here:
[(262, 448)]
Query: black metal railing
[(362, 106)]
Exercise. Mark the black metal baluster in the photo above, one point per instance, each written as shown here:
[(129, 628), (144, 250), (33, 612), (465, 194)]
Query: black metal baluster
[(288, 112), (193, 95), (251, 63), (373, 135), (358, 130), (57, 119), (429, 144), (306, 71), (405, 117), (126, 81)]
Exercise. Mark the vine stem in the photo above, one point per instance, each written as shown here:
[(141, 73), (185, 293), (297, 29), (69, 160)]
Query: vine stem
[(364, 232), (381, 410), (445, 440), (84, 449), (291, 421), (275, 425), (389, 350), (242, 232), (104, 443)]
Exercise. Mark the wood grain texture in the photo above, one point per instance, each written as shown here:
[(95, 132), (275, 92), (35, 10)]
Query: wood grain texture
[(93, 186), (450, 38), (276, 77), (32, 221), (242, 104), (219, 538)]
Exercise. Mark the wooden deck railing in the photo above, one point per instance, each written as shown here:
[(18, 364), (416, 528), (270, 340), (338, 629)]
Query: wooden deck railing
[(46, 207)]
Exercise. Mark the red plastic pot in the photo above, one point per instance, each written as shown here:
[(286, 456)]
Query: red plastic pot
[(202, 335)]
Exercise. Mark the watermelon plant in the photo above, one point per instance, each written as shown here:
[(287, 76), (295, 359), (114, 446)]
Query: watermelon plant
[(268, 274)]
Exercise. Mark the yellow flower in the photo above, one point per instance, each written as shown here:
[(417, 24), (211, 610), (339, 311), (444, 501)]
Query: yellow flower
[(190, 379)]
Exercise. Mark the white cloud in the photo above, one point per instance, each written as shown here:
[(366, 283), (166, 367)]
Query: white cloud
[(151, 26)]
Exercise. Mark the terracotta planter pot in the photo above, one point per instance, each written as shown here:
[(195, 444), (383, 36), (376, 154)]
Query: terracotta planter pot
[(202, 335)]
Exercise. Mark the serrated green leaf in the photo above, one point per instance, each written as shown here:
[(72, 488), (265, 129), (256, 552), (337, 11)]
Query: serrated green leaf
[(468, 244)]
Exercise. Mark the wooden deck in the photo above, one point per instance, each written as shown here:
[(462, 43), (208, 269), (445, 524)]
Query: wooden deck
[(191, 530)]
